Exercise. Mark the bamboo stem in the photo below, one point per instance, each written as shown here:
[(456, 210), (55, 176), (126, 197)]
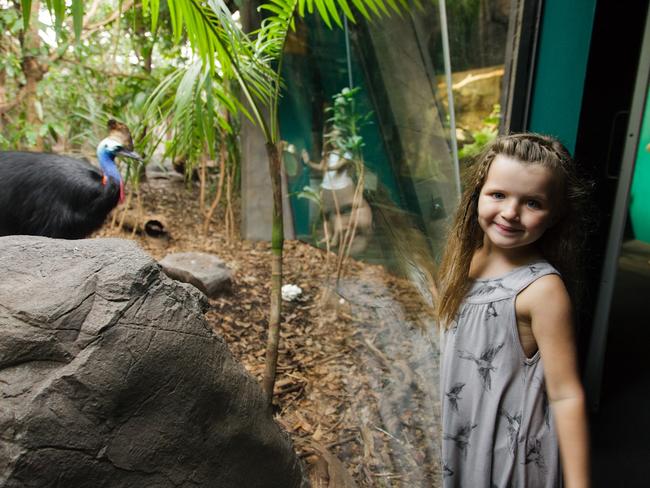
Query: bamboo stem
[(277, 244)]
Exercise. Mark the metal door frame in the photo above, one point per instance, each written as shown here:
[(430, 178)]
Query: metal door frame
[(598, 341)]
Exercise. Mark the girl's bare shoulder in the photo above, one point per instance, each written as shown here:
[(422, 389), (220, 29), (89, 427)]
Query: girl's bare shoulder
[(545, 299)]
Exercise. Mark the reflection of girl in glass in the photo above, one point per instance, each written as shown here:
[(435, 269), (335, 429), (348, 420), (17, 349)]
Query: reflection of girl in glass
[(509, 376), (337, 196)]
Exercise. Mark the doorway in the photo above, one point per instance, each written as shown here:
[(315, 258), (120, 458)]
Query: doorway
[(617, 376), (622, 422)]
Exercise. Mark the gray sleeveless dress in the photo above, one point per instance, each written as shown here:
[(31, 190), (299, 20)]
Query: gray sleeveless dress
[(498, 430)]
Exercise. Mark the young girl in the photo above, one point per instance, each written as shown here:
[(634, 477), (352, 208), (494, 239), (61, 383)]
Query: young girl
[(510, 386)]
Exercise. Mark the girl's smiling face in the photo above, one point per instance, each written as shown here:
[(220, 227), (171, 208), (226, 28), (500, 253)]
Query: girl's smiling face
[(515, 206)]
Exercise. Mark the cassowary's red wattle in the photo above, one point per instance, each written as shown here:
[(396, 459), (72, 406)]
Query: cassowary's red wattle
[(105, 181)]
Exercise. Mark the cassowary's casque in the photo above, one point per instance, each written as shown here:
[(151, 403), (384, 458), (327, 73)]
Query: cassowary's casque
[(58, 196)]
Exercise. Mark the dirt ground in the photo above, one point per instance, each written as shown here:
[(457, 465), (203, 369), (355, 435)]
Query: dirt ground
[(357, 374)]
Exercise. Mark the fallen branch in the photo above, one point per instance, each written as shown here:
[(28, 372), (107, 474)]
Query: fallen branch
[(149, 225)]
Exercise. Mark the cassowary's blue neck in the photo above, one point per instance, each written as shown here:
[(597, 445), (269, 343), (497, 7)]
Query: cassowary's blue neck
[(107, 165)]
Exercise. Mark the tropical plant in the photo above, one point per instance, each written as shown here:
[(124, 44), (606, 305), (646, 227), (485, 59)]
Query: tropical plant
[(346, 123), (193, 107), (254, 62), (487, 133), (343, 137)]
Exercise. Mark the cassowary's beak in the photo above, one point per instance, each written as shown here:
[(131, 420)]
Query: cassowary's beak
[(129, 154)]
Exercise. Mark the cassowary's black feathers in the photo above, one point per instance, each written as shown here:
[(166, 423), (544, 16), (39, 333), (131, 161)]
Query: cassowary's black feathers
[(51, 195)]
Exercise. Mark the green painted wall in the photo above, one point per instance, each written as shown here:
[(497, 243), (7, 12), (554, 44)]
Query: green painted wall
[(640, 190), (562, 56)]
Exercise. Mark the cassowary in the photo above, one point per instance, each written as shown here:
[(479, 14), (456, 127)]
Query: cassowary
[(57, 196)]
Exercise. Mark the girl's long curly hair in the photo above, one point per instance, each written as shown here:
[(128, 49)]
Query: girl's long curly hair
[(561, 244)]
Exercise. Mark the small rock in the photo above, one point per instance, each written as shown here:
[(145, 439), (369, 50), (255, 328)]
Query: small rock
[(205, 271)]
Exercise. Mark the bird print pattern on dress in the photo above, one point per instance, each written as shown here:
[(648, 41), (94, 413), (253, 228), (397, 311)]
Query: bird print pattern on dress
[(461, 437), (514, 423), (454, 395), (483, 363), (534, 270), (491, 311), (534, 455), (488, 287)]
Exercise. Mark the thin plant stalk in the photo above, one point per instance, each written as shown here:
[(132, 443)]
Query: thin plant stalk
[(327, 241), (203, 181), (127, 205), (277, 244), (346, 246), (217, 198), (229, 215)]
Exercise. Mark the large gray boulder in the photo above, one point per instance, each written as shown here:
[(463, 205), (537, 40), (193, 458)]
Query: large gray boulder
[(111, 377)]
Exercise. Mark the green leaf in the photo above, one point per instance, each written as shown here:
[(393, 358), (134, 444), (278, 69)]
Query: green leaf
[(361, 7), (77, 17), (176, 17), (322, 10), (155, 9), (346, 10), (373, 4), (310, 193), (59, 13), (272, 8), (210, 110), (333, 10), (26, 6), (394, 6)]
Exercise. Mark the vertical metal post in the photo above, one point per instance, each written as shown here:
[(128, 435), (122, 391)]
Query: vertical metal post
[(450, 95), (347, 51)]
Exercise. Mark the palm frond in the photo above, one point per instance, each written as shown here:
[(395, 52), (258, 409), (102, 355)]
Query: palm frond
[(254, 60), (191, 103)]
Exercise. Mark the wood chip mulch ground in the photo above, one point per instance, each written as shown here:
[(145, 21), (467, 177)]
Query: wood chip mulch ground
[(357, 374)]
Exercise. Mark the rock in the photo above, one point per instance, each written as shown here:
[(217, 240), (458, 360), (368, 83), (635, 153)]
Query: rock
[(110, 376), (205, 271), (157, 170)]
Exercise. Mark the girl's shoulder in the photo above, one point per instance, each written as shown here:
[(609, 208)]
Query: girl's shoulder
[(547, 293)]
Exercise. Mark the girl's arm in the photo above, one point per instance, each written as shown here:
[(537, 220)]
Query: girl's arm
[(318, 167), (550, 314)]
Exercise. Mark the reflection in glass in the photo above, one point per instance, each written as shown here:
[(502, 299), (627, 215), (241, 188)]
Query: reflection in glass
[(376, 192)]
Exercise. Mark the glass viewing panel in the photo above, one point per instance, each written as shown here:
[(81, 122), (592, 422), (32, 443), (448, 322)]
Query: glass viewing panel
[(367, 152)]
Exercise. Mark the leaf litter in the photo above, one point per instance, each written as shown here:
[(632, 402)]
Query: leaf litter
[(357, 383)]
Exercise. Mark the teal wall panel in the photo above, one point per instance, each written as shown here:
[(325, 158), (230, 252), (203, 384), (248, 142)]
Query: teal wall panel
[(640, 190), (563, 51)]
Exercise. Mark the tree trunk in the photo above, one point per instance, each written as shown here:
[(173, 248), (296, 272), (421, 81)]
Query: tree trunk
[(277, 243), (3, 96)]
